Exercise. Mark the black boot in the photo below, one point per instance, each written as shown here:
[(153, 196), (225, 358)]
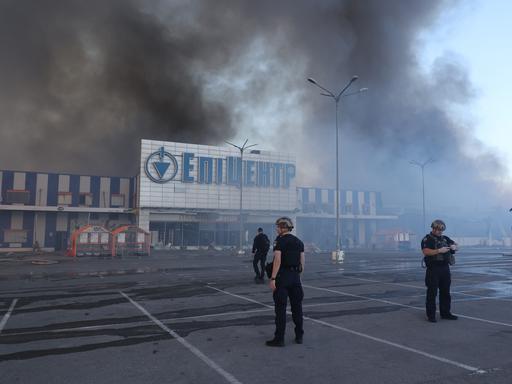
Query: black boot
[(274, 343), (449, 316)]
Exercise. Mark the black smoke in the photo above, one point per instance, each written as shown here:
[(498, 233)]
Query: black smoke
[(82, 82)]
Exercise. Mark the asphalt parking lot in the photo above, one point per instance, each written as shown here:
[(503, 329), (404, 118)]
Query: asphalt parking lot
[(198, 317)]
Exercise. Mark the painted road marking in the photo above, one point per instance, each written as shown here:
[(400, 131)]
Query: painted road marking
[(366, 336), (228, 376), (7, 315), (403, 305)]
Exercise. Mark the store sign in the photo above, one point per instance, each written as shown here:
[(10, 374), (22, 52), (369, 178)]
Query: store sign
[(162, 167)]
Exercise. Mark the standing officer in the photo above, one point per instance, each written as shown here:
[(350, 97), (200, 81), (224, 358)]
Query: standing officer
[(260, 247), (437, 249), (285, 281)]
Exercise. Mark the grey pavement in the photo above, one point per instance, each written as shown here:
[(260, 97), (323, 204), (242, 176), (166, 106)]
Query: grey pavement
[(198, 317)]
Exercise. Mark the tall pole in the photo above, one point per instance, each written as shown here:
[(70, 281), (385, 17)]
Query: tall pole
[(241, 178), (422, 167), (337, 98), (338, 224), (241, 197), (423, 193)]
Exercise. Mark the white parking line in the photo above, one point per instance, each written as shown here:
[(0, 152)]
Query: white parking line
[(404, 305), (366, 336), (7, 315), (178, 319), (418, 287), (228, 376)]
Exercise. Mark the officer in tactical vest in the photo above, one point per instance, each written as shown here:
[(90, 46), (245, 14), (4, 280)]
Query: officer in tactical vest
[(285, 281), (437, 250)]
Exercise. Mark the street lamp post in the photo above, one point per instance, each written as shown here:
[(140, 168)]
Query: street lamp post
[(337, 98), (241, 178), (422, 166)]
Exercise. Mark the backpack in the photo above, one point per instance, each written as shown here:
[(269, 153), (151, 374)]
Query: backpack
[(266, 243)]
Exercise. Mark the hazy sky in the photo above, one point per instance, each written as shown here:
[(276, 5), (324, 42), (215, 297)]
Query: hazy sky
[(479, 31)]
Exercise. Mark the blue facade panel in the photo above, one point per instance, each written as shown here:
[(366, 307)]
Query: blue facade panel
[(330, 196), (305, 195), (115, 185), (356, 232), (74, 188), (7, 183), (378, 202), (355, 203), (131, 201), (51, 228), (5, 223), (318, 197), (53, 187), (72, 217), (28, 225), (30, 185), (95, 190)]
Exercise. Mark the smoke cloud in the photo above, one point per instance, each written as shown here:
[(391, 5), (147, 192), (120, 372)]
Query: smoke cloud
[(82, 82)]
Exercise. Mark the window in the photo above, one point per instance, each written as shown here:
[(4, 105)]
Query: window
[(85, 199), (65, 198), (117, 200), (15, 236), (17, 196)]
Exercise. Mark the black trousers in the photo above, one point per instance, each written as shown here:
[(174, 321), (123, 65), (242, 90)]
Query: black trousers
[(288, 284), (259, 258), (438, 277)]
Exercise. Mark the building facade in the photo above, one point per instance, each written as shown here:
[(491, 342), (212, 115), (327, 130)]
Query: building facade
[(360, 217), (46, 207), (189, 194), (185, 195)]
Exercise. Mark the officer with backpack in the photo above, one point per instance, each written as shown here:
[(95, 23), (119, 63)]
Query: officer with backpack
[(438, 253), (260, 247)]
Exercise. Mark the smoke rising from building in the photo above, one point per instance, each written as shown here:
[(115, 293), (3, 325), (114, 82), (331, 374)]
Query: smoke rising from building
[(82, 82)]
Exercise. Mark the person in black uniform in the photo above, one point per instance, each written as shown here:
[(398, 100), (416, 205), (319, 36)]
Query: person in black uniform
[(260, 247), (285, 281), (437, 249)]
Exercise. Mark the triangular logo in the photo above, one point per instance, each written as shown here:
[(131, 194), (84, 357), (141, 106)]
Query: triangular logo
[(161, 168)]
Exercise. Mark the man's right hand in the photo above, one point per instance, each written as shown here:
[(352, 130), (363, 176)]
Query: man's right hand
[(443, 250)]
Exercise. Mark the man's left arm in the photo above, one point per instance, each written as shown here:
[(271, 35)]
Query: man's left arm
[(275, 269)]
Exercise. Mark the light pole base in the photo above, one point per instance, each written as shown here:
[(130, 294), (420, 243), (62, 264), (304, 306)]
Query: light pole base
[(338, 255)]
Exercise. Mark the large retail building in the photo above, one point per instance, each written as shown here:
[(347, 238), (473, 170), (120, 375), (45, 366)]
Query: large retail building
[(185, 195)]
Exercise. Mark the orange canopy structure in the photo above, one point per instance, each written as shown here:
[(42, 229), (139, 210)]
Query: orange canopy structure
[(90, 240), (130, 240)]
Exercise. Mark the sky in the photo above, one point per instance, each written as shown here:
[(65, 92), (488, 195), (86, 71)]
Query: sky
[(478, 32)]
